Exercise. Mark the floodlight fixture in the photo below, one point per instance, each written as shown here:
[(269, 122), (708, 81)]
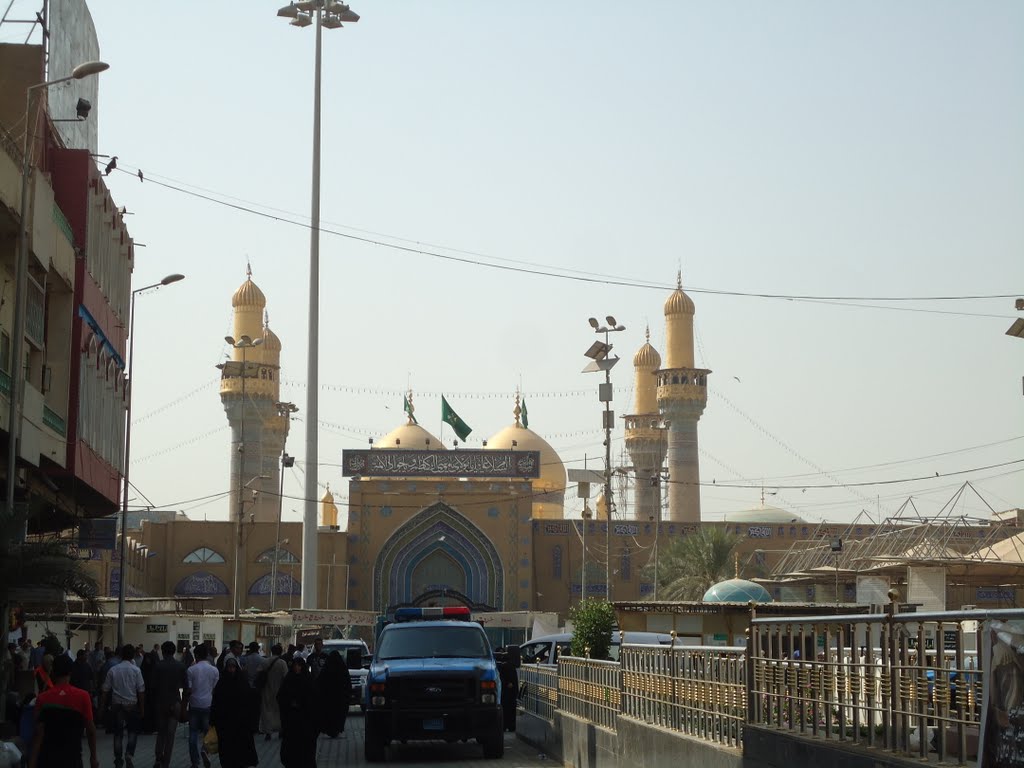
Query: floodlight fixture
[(593, 323), (172, 279), (230, 340), (331, 22), (306, 5), (1017, 329), (611, 321), (289, 11), (82, 108), (302, 20)]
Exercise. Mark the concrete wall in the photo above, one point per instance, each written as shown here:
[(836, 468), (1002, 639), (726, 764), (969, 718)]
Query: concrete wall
[(574, 742), (779, 750)]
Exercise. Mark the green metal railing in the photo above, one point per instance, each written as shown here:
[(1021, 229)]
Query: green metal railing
[(54, 421), (62, 224)]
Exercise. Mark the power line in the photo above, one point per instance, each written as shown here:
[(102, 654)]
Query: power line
[(593, 278)]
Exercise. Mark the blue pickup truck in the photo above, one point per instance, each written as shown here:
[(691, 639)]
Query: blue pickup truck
[(433, 677)]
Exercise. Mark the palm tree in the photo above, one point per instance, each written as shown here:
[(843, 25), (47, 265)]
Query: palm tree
[(40, 568), (690, 565)]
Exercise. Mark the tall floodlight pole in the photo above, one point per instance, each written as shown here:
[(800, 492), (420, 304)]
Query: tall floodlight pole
[(598, 353), (327, 14), (122, 581), (14, 412)]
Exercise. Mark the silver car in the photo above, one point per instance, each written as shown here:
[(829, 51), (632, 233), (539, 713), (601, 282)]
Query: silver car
[(547, 649)]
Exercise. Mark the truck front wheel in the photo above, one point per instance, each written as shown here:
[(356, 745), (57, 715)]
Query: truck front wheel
[(373, 744), (494, 745)]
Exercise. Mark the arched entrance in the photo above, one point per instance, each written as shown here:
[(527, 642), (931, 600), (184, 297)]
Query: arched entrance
[(438, 552)]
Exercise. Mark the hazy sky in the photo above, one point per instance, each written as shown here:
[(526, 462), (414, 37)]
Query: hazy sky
[(799, 148)]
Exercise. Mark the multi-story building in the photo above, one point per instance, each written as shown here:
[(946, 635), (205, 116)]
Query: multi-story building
[(80, 260)]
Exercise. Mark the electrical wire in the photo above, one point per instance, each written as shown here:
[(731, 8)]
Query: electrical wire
[(590, 277)]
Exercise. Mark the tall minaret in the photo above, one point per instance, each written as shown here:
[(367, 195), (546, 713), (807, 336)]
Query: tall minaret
[(258, 430), (645, 437), (682, 395)]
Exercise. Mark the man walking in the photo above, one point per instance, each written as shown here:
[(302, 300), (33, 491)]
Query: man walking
[(123, 691), (317, 659), (253, 663), (202, 677), (168, 681), (61, 715)]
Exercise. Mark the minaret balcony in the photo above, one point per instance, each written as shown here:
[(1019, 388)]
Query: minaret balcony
[(647, 426), (682, 384)]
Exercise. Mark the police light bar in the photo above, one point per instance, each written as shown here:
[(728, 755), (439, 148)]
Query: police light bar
[(459, 612)]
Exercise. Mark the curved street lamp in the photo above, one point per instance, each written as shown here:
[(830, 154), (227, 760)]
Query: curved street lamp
[(123, 581)]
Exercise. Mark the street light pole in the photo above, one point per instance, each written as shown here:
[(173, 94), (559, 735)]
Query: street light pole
[(598, 352), (330, 14), (286, 410), (14, 412), (123, 581)]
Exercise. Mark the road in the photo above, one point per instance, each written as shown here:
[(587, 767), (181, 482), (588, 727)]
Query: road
[(344, 751)]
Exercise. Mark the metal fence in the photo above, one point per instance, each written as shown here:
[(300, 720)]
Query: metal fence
[(698, 690), (908, 683), (590, 689), (538, 690)]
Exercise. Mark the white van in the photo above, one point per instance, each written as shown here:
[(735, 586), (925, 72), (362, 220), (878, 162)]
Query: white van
[(547, 649)]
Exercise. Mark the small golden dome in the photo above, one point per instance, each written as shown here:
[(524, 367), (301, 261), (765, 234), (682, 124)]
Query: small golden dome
[(328, 497), (271, 342), (679, 303), (552, 470), (410, 437), (647, 356), (249, 295)]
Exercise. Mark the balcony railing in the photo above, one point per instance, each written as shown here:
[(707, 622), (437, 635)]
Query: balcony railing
[(54, 421)]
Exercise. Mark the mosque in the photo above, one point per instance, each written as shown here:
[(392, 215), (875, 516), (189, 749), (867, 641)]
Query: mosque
[(486, 527)]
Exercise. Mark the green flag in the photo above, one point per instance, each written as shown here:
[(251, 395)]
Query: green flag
[(407, 407), (452, 419), (525, 415)]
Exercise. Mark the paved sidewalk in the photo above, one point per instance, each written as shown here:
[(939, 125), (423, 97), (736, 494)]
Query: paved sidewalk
[(343, 751)]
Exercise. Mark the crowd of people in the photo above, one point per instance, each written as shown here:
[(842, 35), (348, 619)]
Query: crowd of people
[(295, 693)]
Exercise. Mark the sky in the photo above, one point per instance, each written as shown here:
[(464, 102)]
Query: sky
[(572, 157)]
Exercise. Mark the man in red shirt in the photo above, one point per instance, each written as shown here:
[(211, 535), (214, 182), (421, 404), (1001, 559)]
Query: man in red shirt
[(62, 713)]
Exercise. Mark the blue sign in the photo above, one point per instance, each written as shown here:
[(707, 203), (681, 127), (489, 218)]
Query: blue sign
[(100, 533)]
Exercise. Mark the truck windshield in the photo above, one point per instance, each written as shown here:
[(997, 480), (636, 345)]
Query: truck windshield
[(433, 643)]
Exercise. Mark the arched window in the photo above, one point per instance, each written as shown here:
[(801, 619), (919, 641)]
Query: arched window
[(203, 555), (283, 556)]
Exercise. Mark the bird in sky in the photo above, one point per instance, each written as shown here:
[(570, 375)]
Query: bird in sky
[(110, 166), (140, 175), (737, 379)]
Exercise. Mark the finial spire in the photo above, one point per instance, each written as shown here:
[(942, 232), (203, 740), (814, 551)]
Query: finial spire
[(248, 269), (410, 409), (736, 564), (266, 319), (647, 333), (679, 279), (517, 410)]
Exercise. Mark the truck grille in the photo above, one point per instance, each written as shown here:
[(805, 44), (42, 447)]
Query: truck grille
[(418, 693)]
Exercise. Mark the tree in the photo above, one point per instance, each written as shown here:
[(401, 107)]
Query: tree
[(593, 622), (690, 565), (31, 568)]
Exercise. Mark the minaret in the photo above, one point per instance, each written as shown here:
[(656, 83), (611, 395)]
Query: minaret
[(258, 430), (682, 395), (645, 437)]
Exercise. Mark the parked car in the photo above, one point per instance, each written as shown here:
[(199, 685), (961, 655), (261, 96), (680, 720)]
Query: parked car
[(356, 655), (547, 649)]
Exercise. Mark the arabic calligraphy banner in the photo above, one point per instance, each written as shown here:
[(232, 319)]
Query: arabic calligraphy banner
[(388, 462)]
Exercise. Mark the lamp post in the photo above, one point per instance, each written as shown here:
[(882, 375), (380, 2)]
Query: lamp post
[(327, 14), (14, 412), (284, 410), (122, 582), (273, 568), (244, 343), (598, 353)]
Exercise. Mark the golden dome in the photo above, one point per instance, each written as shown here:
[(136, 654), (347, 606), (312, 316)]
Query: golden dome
[(679, 303), (249, 295), (271, 342), (647, 356), (328, 497), (552, 471), (410, 437)]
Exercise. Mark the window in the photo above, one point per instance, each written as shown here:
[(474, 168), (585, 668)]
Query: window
[(203, 555), (283, 556)]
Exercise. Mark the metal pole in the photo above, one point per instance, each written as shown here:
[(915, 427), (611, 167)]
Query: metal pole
[(608, 481), (277, 537), (309, 534), (122, 582), (241, 502), (18, 341)]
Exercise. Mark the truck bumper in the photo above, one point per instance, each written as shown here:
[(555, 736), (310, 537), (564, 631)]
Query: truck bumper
[(428, 725)]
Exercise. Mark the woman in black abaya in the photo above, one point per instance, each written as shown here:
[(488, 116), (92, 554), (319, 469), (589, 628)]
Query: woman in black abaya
[(299, 724), (333, 688), (232, 714)]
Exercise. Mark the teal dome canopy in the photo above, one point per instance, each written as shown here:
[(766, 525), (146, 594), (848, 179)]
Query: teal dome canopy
[(737, 591)]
